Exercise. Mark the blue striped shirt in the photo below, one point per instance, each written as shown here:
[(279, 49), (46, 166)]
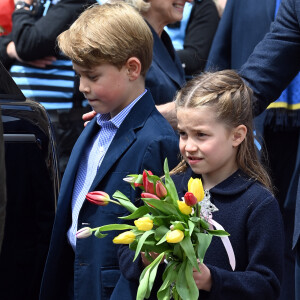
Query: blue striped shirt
[(91, 162)]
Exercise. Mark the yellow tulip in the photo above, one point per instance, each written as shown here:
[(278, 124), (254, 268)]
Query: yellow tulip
[(144, 224), (175, 236), (184, 208), (195, 186), (126, 237)]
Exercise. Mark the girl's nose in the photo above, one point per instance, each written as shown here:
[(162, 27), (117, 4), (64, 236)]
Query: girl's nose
[(190, 146)]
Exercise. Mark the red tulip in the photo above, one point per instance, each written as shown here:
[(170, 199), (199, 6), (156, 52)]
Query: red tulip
[(160, 189), (190, 199), (98, 198), (148, 186), (149, 195)]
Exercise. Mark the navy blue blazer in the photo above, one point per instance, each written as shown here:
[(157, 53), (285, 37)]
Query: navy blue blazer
[(165, 76), (272, 66), (143, 141), (242, 26)]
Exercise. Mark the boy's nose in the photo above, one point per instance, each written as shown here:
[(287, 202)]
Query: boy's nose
[(83, 88)]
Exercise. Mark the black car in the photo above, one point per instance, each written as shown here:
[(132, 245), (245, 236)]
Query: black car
[(32, 184)]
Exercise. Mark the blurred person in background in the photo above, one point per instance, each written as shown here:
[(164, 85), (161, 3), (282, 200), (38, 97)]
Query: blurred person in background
[(2, 184), (43, 74), (6, 9), (193, 35)]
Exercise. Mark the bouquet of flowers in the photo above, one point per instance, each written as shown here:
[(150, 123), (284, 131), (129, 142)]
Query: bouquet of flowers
[(179, 231)]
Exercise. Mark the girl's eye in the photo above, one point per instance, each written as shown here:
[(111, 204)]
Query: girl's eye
[(181, 133), (201, 134)]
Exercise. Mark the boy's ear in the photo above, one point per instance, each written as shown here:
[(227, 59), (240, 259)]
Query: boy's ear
[(238, 135), (134, 68)]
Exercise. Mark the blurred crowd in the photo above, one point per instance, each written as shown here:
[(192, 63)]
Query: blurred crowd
[(209, 35)]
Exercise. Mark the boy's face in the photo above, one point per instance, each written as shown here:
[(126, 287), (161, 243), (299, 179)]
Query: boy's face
[(105, 86)]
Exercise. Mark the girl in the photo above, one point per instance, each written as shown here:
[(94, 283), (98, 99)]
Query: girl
[(216, 142)]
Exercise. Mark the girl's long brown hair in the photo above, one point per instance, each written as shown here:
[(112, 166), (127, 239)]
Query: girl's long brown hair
[(231, 98)]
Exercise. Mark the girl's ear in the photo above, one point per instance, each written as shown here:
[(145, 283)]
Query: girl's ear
[(238, 135), (134, 67)]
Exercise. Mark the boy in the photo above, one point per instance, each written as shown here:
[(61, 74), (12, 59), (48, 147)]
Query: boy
[(111, 49)]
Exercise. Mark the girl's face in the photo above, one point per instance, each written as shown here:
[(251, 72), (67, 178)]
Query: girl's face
[(206, 144)]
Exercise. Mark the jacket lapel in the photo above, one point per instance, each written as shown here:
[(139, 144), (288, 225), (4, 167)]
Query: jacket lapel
[(163, 59), (125, 136)]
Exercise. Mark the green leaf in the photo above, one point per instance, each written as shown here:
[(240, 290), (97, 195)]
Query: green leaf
[(99, 235), (191, 227), (140, 212), (141, 242), (169, 276), (147, 279), (178, 252), (204, 241), (218, 232), (115, 227), (185, 284), (164, 207), (172, 192), (178, 225), (151, 246), (162, 240), (160, 232), (188, 249), (204, 224), (124, 201), (193, 290)]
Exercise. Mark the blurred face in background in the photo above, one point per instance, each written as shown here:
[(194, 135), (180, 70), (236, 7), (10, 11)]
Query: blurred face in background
[(164, 12)]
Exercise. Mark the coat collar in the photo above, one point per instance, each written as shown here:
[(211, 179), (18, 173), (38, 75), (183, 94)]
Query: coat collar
[(124, 137), (233, 185), (168, 61)]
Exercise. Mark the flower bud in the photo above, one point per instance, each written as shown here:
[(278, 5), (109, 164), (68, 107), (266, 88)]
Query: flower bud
[(148, 186), (184, 208), (175, 236), (148, 195), (144, 224), (195, 186), (98, 198), (126, 237), (190, 199), (160, 189), (84, 233)]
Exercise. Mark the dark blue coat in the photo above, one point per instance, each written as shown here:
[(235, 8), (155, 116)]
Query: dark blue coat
[(242, 26), (251, 215), (165, 76), (143, 141), (272, 66)]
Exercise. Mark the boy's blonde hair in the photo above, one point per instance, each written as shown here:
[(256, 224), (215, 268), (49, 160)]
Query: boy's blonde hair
[(231, 99), (109, 33)]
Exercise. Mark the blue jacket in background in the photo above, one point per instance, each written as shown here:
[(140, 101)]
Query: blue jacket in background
[(165, 76)]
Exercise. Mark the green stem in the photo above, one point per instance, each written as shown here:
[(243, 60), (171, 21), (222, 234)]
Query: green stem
[(113, 201)]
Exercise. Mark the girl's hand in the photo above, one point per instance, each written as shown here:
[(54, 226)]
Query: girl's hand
[(88, 116), (203, 280)]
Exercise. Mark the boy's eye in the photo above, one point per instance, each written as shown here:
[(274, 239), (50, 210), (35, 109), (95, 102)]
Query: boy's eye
[(92, 77)]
